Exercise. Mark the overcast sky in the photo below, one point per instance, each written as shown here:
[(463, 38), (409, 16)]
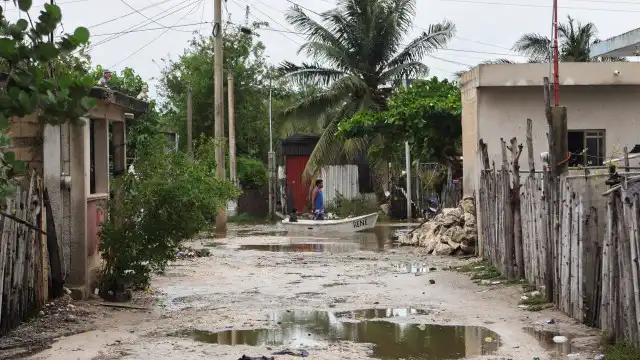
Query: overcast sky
[(486, 29)]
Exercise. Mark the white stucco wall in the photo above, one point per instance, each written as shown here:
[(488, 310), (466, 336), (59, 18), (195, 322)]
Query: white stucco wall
[(502, 113)]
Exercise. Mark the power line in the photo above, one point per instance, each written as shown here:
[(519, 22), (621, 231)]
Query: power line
[(538, 6), (204, 7), (157, 37), (267, 15), (136, 27), (306, 8), (482, 43), (145, 16), (152, 29), (447, 60), (128, 14)]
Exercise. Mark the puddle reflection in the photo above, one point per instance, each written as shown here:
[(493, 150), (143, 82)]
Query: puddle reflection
[(380, 239), (390, 340), (545, 338)]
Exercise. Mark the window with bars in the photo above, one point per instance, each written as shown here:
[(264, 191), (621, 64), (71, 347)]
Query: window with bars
[(587, 147)]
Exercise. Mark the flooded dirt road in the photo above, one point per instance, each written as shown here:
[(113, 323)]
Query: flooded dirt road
[(359, 297)]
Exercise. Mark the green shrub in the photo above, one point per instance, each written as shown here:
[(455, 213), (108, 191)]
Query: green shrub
[(252, 173), (343, 207), (170, 198)]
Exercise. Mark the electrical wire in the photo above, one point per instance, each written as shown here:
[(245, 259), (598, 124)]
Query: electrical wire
[(127, 14), (272, 19), (140, 26), (204, 7), (159, 36), (537, 6), (446, 60), (145, 16), (152, 29)]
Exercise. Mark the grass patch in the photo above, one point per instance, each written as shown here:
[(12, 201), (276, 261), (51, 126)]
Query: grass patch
[(621, 352), (537, 299), (537, 302), (245, 218)]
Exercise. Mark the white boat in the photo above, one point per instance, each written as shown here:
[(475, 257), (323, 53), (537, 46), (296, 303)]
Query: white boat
[(348, 225)]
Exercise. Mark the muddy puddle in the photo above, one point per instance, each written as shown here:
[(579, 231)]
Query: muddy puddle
[(378, 240), (556, 349), (389, 340), (368, 314)]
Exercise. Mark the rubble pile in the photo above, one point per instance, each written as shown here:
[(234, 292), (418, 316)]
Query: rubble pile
[(451, 232)]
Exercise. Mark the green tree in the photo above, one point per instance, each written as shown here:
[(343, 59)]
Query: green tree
[(358, 50), (244, 57), (170, 198), (126, 82), (427, 115), (29, 85), (574, 43)]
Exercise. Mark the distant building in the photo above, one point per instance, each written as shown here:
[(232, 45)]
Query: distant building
[(497, 99)]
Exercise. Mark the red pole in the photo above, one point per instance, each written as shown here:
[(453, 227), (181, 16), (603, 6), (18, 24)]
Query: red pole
[(556, 67)]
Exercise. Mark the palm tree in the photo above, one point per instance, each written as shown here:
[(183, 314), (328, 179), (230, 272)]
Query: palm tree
[(575, 40), (358, 54)]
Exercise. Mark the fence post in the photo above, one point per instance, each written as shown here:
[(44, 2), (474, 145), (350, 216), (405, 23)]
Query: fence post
[(532, 163), (516, 151)]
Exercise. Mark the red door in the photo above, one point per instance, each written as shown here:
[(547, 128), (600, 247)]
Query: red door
[(295, 167)]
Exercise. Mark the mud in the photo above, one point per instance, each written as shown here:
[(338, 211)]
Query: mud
[(241, 291)]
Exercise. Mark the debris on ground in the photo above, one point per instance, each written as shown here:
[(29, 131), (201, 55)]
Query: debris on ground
[(451, 232), (188, 252), (245, 357), (298, 353)]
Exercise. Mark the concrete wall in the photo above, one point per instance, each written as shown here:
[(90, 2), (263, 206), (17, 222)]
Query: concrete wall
[(26, 141), (502, 113)]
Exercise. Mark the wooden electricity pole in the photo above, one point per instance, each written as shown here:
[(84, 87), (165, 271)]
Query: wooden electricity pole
[(232, 130), (218, 106), (190, 121)]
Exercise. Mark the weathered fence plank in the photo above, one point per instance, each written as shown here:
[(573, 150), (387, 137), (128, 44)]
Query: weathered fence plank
[(23, 269)]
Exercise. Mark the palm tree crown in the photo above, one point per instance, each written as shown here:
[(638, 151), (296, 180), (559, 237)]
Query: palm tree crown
[(357, 49), (575, 40)]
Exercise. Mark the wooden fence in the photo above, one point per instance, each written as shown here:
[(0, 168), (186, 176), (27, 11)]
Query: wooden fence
[(562, 236), (24, 268), (620, 291)]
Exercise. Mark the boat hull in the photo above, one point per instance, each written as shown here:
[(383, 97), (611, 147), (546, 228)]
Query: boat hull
[(355, 224)]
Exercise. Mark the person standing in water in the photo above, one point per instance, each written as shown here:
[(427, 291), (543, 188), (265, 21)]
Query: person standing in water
[(317, 201)]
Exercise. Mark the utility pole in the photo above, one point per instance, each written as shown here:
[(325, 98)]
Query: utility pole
[(272, 157), (407, 154), (556, 66), (218, 107), (232, 130), (190, 121)]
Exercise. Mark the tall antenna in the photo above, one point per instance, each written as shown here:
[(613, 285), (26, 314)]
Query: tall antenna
[(246, 15), (556, 67)]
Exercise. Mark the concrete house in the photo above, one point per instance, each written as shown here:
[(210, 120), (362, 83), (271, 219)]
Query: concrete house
[(73, 165), (601, 100)]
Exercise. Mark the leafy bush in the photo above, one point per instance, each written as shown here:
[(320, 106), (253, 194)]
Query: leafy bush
[(343, 207), (170, 198), (252, 173)]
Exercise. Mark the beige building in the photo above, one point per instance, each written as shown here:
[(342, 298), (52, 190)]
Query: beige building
[(73, 165), (602, 101)]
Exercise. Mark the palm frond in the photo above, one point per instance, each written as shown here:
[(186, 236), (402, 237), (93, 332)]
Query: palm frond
[(537, 47), (413, 69), (435, 38), (313, 30), (329, 147), (306, 74), (327, 54)]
